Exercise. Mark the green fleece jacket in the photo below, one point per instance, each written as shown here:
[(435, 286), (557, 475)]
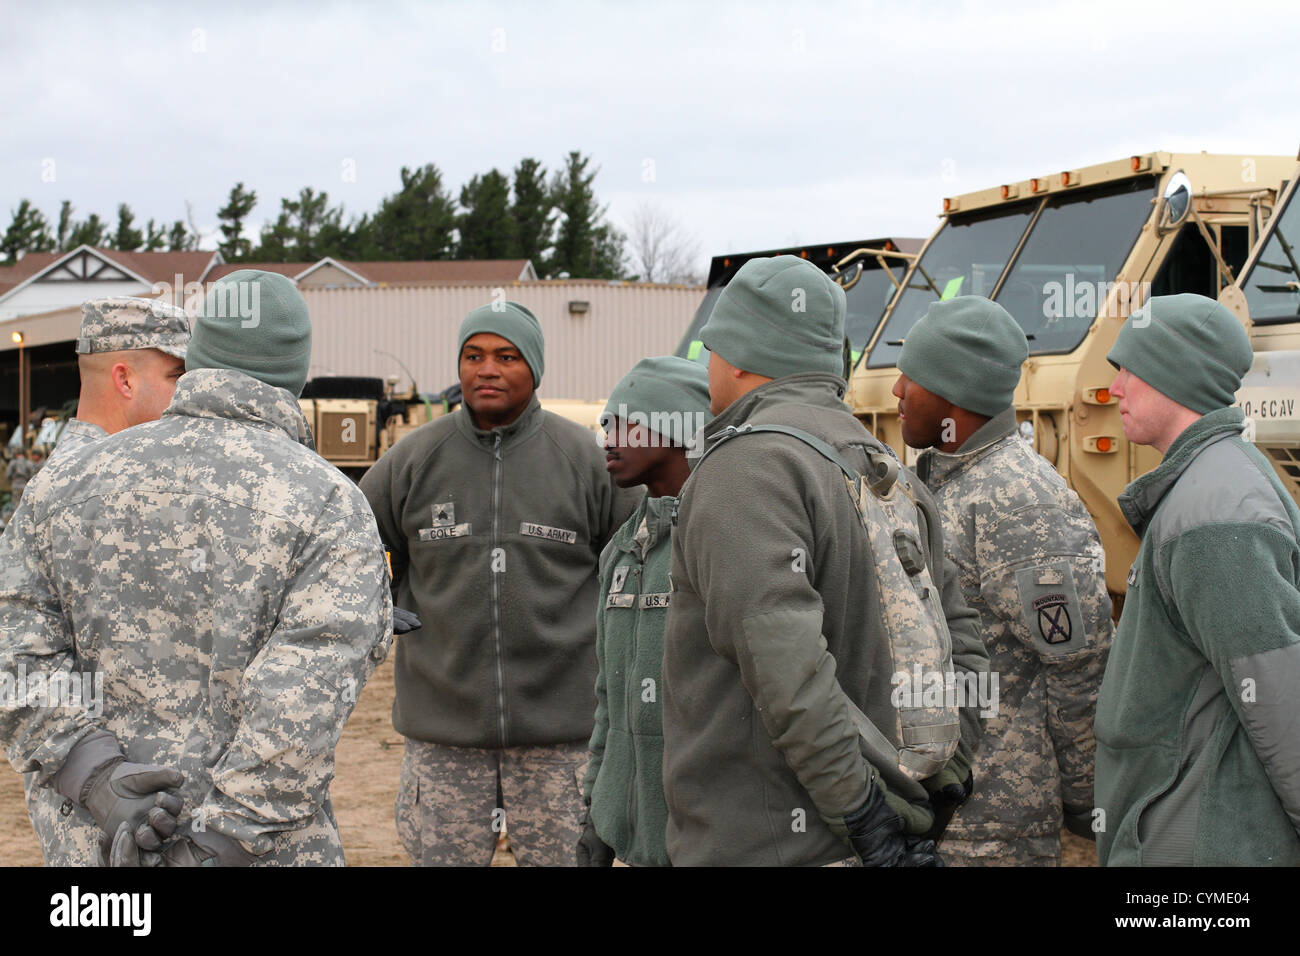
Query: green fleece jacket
[(775, 627), (1198, 725), (625, 776), (494, 538)]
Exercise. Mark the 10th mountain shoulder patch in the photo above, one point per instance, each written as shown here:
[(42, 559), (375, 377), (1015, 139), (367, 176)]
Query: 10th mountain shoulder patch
[(1050, 606), (1054, 624)]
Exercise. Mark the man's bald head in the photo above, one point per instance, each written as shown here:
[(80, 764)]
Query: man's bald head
[(127, 387)]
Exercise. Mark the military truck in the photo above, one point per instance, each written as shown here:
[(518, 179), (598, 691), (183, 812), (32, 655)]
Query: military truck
[(355, 419), (1266, 298), (1069, 254), (870, 270)]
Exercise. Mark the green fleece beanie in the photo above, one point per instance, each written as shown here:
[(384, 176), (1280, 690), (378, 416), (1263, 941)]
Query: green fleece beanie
[(256, 323), (1187, 347), (779, 316), (514, 323), (667, 394), (967, 350)]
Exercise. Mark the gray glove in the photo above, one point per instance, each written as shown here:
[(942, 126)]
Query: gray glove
[(193, 848), (404, 621), (97, 776)]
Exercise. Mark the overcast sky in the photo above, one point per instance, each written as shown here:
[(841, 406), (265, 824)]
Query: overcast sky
[(756, 124)]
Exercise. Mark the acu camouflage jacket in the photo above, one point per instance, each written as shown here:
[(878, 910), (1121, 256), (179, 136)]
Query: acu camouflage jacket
[(227, 587), (1030, 561)]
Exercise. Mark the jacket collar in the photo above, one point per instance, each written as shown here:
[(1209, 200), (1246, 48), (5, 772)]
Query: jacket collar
[(649, 524), (529, 420), (1142, 497), (222, 393), (822, 389), (935, 467)]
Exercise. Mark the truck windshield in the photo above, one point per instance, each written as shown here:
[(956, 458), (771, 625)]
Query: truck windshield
[(1272, 286), (1068, 264), (965, 258), (867, 301)]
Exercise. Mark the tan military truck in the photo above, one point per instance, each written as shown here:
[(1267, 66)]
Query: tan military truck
[(1069, 254), (1266, 297)]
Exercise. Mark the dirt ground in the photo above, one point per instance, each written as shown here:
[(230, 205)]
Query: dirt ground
[(368, 759)]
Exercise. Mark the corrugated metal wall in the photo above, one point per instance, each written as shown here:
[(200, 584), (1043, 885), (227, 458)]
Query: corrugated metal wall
[(586, 354)]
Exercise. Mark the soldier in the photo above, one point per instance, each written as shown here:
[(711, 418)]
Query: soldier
[(651, 416), (202, 601), (1198, 760), (1030, 561), (495, 516), (129, 354), (775, 647)]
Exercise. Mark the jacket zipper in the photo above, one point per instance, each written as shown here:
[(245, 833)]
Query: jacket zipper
[(496, 590), (635, 695)]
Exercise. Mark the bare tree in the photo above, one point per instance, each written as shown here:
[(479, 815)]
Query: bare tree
[(661, 249)]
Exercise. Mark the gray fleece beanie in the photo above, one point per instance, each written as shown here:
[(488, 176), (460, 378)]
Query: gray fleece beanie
[(256, 323), (967, 350), (779, 316), (515, 324), (667, 394), (1187, 347)]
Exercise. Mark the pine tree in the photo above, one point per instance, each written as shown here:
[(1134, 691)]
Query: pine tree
[(155, 237), (487, 230), (65, 226), (533, 213), (179, 238), (91, 232), (127, 238), (586, 246), (307, 229), (232, 216), (416, 222), (29, 231)]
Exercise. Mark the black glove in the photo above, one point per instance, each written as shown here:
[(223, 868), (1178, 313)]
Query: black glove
[(945, 801), (591, 849), (1078, 820), (97, 775), (193, 848), (921, 851), (876, 831), (404, 621)]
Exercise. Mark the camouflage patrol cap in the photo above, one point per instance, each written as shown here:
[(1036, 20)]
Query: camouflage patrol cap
[(124, 322)]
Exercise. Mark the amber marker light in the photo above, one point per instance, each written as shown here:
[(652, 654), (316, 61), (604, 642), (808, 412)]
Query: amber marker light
[(1103, 444), (1103, 396)]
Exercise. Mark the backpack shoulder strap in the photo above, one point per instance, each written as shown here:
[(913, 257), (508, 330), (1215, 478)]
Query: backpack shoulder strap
[(884, 465)]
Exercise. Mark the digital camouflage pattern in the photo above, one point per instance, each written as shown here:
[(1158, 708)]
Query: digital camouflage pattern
[(447, 809), (1031, 851), (76, 434), (1030, 561), (229, 586), (120, 323)]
